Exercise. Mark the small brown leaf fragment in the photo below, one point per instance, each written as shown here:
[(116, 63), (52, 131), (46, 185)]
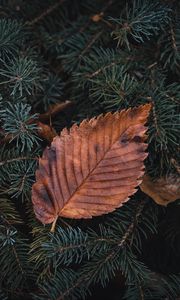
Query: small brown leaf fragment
[(175, 164), (46, 132), (93, 168), (163, 190), (54, 110), (97, 17)]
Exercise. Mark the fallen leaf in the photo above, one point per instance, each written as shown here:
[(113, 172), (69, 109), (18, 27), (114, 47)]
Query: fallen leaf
[(46, 132), (97, 17), (93, 168), (54, 110), (163, 190)]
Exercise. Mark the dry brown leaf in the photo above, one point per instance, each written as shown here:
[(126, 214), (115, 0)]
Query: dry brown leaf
[(93, 168), (98, 17), (54, 110), (46, 132), (163, 190)]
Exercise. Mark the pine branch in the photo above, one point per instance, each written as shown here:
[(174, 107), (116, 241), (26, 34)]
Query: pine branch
[(15, 269), (8, 214), (90, 43), (132, 226), (140, 21), (12, 35), (141, 293), (8, 161), (173, 39), (45, 13), (95, 73), (80, 280), (89, 274)]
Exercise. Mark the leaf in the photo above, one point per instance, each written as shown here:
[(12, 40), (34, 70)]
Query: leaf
[(92, 169), (163, 190), (46, 132), (97, 17), (54, 110)]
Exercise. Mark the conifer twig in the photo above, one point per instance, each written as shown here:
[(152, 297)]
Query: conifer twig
[(45, 13), (91, 42), (132, 225), (7, 161), (141, 292), (173, 39), (18, 260), (95, 73), (110, 256)]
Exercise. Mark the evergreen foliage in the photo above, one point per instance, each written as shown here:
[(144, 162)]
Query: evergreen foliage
[(103, 56)]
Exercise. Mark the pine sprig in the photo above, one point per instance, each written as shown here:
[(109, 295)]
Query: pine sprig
[(12, 35), (170, 56), (15, 270), (20, 124), (140, 21), (22, 76)]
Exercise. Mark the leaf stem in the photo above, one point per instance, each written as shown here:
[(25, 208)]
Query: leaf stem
[(54, 224)]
